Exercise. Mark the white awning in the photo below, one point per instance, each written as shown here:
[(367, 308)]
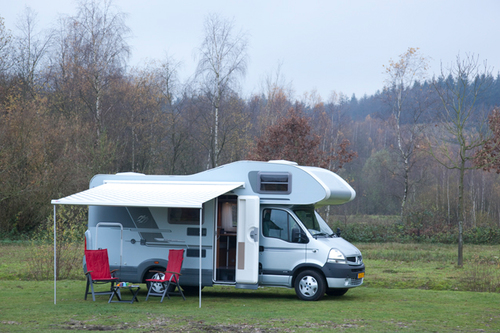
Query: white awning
[(149, 194)]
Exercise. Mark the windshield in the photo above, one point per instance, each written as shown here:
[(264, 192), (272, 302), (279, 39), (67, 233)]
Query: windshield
[(313, 222)]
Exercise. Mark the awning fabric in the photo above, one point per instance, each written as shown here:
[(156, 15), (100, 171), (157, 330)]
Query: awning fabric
[(149, 194)]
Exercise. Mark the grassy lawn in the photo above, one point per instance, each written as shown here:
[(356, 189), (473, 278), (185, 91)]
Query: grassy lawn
[(432, 266), (408, 287), (30, 307)]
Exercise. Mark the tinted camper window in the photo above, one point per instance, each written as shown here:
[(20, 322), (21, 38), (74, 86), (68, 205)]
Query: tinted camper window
[(183, 216), (277, 183)]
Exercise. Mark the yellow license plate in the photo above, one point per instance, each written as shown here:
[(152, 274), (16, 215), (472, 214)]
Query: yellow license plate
[(361, 275)]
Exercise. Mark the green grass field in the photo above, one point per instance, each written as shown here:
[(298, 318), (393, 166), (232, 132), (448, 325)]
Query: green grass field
[(411, 288)]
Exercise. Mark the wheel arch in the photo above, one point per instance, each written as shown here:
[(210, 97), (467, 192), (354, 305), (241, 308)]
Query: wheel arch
[(148, 265), (302, 267)]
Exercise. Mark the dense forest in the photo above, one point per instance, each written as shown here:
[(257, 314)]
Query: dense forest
[(70, 108)]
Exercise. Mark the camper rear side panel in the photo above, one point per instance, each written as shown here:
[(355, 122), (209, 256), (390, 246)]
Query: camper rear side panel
[(148, 233)]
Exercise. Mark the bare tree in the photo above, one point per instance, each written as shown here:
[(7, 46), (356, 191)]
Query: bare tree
[(156, 124), (32, 46), (103, 50), (464, 123), (278, 93), (223, 59), (331, 123), (408, 106), (5, 48)]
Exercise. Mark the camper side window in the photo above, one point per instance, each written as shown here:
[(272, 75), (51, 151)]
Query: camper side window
[(275, 182), (278, 223), (183, 216)]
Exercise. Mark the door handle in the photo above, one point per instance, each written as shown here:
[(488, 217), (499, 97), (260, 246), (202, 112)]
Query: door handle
[(254, 234), (261, 248)]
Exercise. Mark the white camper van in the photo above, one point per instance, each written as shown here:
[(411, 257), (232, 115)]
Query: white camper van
[(252, 223)]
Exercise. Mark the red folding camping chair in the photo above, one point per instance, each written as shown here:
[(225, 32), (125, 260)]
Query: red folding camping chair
[(98, 272), (170, 278)]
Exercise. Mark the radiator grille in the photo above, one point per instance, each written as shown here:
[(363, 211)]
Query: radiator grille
[(355, 260)]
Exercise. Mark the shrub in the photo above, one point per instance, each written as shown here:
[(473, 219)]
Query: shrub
[(482, 274), (70, 229), (419, 226), (482, 235)]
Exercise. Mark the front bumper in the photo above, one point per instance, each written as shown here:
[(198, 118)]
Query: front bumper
[(343, 275)]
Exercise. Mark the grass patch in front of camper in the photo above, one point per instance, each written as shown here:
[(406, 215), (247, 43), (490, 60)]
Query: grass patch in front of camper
[(30, 307)]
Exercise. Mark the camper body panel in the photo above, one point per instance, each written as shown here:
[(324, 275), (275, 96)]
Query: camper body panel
[(147, 236)]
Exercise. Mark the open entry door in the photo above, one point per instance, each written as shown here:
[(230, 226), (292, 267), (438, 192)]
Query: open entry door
[(247, 252), (109, 235)]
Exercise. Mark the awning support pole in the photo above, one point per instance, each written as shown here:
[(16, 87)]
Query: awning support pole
[(199, 253), (55, 257)]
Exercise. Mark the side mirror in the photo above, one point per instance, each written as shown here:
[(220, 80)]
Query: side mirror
[(299, 236), (338, 232)]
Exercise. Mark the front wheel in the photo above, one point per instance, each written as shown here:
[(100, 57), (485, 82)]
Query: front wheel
[(310, 285)]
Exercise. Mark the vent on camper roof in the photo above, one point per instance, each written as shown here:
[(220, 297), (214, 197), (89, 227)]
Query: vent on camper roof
[(130, 174), (283, 162)]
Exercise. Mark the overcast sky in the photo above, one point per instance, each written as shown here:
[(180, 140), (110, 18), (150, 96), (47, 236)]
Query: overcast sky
[(325, 45)]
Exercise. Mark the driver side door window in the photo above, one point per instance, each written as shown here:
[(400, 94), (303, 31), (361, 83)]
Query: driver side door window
[(280, 224)]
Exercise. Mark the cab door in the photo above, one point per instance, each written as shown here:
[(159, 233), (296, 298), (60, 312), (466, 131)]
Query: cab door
[(247, 241), (283, 246)]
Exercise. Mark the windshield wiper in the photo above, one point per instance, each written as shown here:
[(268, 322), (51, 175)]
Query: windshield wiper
[(321, 233)]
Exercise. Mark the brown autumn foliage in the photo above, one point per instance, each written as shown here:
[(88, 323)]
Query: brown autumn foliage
[(488, 157), (291, 138), (36, 150)]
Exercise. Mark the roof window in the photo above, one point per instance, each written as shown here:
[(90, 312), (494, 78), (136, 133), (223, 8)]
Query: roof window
[(275, 182)]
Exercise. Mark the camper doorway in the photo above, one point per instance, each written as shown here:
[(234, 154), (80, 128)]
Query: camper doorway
[(226, 226)]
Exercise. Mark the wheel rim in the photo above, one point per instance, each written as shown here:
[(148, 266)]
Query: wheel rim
[(158, 287), (308, 286)]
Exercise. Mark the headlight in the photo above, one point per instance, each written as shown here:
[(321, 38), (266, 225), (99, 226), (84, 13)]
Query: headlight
[(336, 257)]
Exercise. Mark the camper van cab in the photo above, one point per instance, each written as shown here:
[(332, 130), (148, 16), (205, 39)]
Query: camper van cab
[(246, 224)]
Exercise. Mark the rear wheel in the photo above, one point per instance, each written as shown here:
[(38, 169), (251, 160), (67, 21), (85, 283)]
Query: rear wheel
[(310, 285), (336, 292), (158, 287)]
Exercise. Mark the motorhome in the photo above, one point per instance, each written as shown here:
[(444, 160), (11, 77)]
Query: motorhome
[(246, 224)]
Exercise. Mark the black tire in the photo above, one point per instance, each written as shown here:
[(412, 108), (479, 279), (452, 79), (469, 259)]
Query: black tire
[(336, 292), (191, 290), (157, 287), (310, 285)]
